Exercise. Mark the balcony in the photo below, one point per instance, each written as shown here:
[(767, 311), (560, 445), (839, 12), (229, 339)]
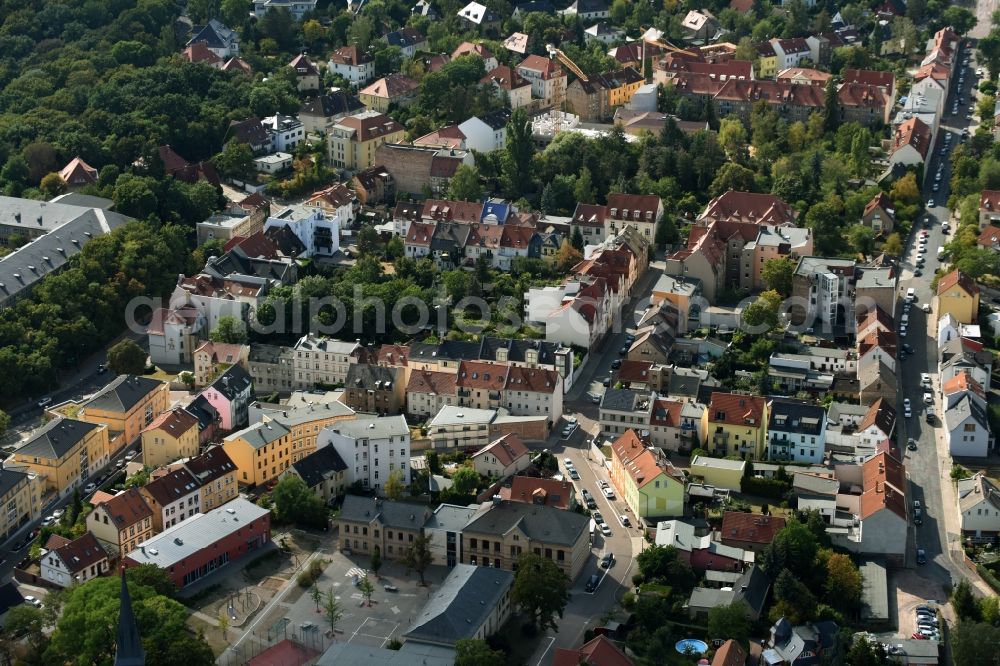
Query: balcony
[(720, 439), (464, 393), (494, 395)]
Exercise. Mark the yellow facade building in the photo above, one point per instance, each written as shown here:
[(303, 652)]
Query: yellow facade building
[(171, 436), (127, 406), (64, 453), (21, 492), (216, 472), (958, 295), (735, 425), (652, 487), (354, 139)]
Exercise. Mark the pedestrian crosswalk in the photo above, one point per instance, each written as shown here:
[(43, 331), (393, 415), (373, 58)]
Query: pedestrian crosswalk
[(356, 571)]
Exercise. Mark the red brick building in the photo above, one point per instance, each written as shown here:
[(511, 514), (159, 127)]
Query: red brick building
[(205, 542)]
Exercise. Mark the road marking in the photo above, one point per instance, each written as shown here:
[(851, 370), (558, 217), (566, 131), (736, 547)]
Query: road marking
[(552, 639), (395, 610), (355, 571)]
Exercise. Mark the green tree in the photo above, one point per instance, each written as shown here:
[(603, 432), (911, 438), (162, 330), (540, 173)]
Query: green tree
[(394, 485), (135, 196), (201, 10), (729, 621), (419, 556), (567, 256), (477, 652), (376, 561), (893, 245), (4, 422), (764, 312), (733, 176), (831, 109), (843, 583), (465, 481), (862, 239), (541, 590), (583, 190), (434, 462), (235, 160), (316, 595), (332, 611), (367, 588), (518, 154), (965, 603), (777, 274), (86, 629), (368, 240), (665, 564), (229, 330), (959, 18), (52, 185), (126, 358), (975, 643), (465, 184), (295, 503), (794, 547), (905, 190), (733, 138), (234, 12), (666, 232), (577, 240), (866, 653), (361, 32)]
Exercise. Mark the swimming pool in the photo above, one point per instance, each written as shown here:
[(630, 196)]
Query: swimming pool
[(689, 645)]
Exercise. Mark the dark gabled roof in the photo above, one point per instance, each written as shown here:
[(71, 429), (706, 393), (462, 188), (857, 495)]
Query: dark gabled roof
[(752, 588), (10, 479), (313, 468), (496, 119), (540, 523), (458, 610), (406, 515), (123, 393), (55, 438), (405, 37), (212, 464), (364, 376), (172, 486), (9, 597), (214, 34), (458, 350), (127, 508), (233, 381), (80, 553), (336, 103), (203, 410), (796, 416), (249, 131)]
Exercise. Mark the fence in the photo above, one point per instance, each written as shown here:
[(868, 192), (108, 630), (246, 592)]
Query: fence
[(285, 644)]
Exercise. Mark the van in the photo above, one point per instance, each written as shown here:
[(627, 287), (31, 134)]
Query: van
[(911, 294)]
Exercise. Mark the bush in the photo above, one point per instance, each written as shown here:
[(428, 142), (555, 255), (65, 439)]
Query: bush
[(529, 629), (638, 579), (988, 576), (763, 487)]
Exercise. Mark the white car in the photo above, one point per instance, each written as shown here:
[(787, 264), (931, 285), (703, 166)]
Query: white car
[(58, 513), (568, 462), (33, 601), (926, 307), (930, 203), (906, 403), (605, 530), (928, 398), (89, 488), (925, 379), (902, 331), (907, 412), (610, 494)]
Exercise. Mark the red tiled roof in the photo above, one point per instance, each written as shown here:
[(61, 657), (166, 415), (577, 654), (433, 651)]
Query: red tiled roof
[(79, 553), (432, 381), (175, 422), (758, 208), (883, 483), (957, 277), (78, 172), (392, 355), (391, 87), (551, 492), (736, 409), (990, 236), (508, 449), (171, 487), (468, 48), (127, 508), (303, 66), (483, 375), (589, 215), (506, 78), (639, 462), (666, 413), (350, 55), (336, 195), (199, 52), (879, 200), (815, 76), (420, 233), (961, 383), (548, 69), (599, 651), (634, 371), (637, 205), (869, 77), (773, 92), (372, 126), (859, 95), (737, 526), (534, 380), (913, 132), (731, 653), (989, 200), (444, 209)]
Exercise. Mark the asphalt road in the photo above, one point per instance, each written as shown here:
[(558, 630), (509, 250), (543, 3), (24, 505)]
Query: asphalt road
[(924, 465)]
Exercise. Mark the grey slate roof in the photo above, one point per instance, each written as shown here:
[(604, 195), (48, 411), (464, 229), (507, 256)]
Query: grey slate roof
[(336, 103), (260, 435), (233, 381), (123, 393), (56, 437), (315, 466), (364, 376), (622, 400), (539, 523), (203, 410), (795, 416), (466, 599), (451, 517), (214, 34), (406, 515), (9, 479), (372, 427)]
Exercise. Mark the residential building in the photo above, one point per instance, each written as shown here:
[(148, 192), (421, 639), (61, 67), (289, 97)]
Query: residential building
[(796, 431), (353, 64), (866, 105), (587, 10), (701, 551), (749, 531), (415, 169), (374, 185), (649, 484), (172, 435), (979, 507), (375, 389), (297, 8), (367, 523), (216, 475), (358, 442), (989, 208), (261, 452), (967, 429), (547, 78), (470, 48), (963, 355), (318, 113), (272, 368), (21, 490), (208, 418), (306, 74), (213, 358), (881, 511), (126, 405), (700, 26), (730, 654), (172, 498), (392, 90), (472, 603), (885, 81), (599, 650), (64, 562), (461, 427), (323, 361), (878, 424), (63, 454), (475, 16), (354, 139), (497, 537), (487, 133), (748, 207), (545, 492), (409, 41), (624, 410), (323, 471), (803, 645), (879, 215), (122, 523), (230, 394), (736, 424), (804, 76), (958, 296), (206, 542), (502, 458), (430, 390), (511, 84), (78, 173), (719, 472), (790, 52), (910, 143), (749, 590), (444, 528), (217, 38)]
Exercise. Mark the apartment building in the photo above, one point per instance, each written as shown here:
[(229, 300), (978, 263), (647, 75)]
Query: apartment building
[(373, 448)]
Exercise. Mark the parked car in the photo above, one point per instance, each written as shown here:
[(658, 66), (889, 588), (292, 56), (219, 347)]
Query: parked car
[(928, 398), (602, 483), (44, 401), (925, 379), (918, 519), (623, 519), (911, 444), (89, 488), (921, 556), (598, 518), (608, 560), (573, 474), (596, 399), (615, 364), (605, 529), (592, 583)]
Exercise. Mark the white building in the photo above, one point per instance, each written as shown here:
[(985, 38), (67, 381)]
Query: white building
[(444, 530), (322, 360), (286, 132), (967, 429), (318, 232), (796, 431), (460, 427), (533, 392), (273, 163), (485, 134), (352, 64), (297, 8), (502, 458), (373, 447), (176, 496), (64, 562), (215, 297), (174, 334), (979, 507)]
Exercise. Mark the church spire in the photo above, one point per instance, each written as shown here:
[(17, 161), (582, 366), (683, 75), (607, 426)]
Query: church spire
[(129, 650)]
